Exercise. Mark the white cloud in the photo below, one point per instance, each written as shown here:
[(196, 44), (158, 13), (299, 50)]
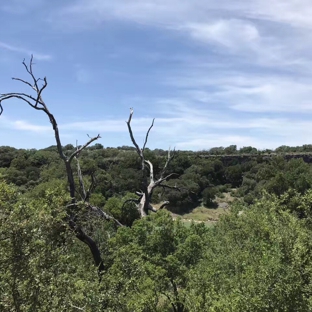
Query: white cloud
[(139, 125), (293, 12), (236, 27), (21, 50), (23, 125), (251, 77), (231, 33), (296, 13), (246, 92), (190, 127)]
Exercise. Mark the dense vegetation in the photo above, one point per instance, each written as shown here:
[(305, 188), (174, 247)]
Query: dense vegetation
[(256, 258), (117, 173), (79, 230)]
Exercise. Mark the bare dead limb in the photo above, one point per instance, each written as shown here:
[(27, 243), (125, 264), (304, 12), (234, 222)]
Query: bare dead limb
[(151, 170), (169, 158), (164, 204), (78, 150), (78, 308), (81, 183), (103, 214), (147, 133), (172, 187), (140, 194), (36, 101), (148, 180), (85, 194), (139, 151)]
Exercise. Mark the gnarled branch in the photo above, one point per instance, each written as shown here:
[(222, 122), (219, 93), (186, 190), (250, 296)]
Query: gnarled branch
[(148, 181), (78, 150), (38, 103)]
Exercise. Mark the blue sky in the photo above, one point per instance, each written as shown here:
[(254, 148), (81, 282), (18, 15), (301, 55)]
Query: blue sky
[(212, 73)]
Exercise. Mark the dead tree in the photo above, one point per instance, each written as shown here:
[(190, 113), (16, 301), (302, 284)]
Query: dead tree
[(74, 207), (149, 182)]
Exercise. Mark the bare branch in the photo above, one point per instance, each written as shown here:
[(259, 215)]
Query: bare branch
[(78, 150), (4, 97), (139, 151), (147, 133), (164, 204), (30, 72), (175, 188), (37, 103), (34, 86), (151, 170), (81, 183), (150, 184), (103, 214), (42, 88), (78, 308), (169, 176), (8, 95), (169, 158), (151, 208), (140, 194), (24, 81)]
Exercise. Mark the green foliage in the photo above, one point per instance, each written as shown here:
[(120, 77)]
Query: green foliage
[(230, 150), (7, 154), (151, 264), (97, 199), (209, 195), (119, 208), (39, 262), (248, 150), (234, 175), (117, 171), (256, 260), (276, 177)]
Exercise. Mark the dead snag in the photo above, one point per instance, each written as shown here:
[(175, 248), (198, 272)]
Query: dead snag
[(36, 102), (149, 182)]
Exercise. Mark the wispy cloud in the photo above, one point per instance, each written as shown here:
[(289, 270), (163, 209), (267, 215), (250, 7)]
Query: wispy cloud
[(258, 92), (24, 51), (296, 13), (255, 30), (23, 125), (188, 128), (231, 33), (214, 72)]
